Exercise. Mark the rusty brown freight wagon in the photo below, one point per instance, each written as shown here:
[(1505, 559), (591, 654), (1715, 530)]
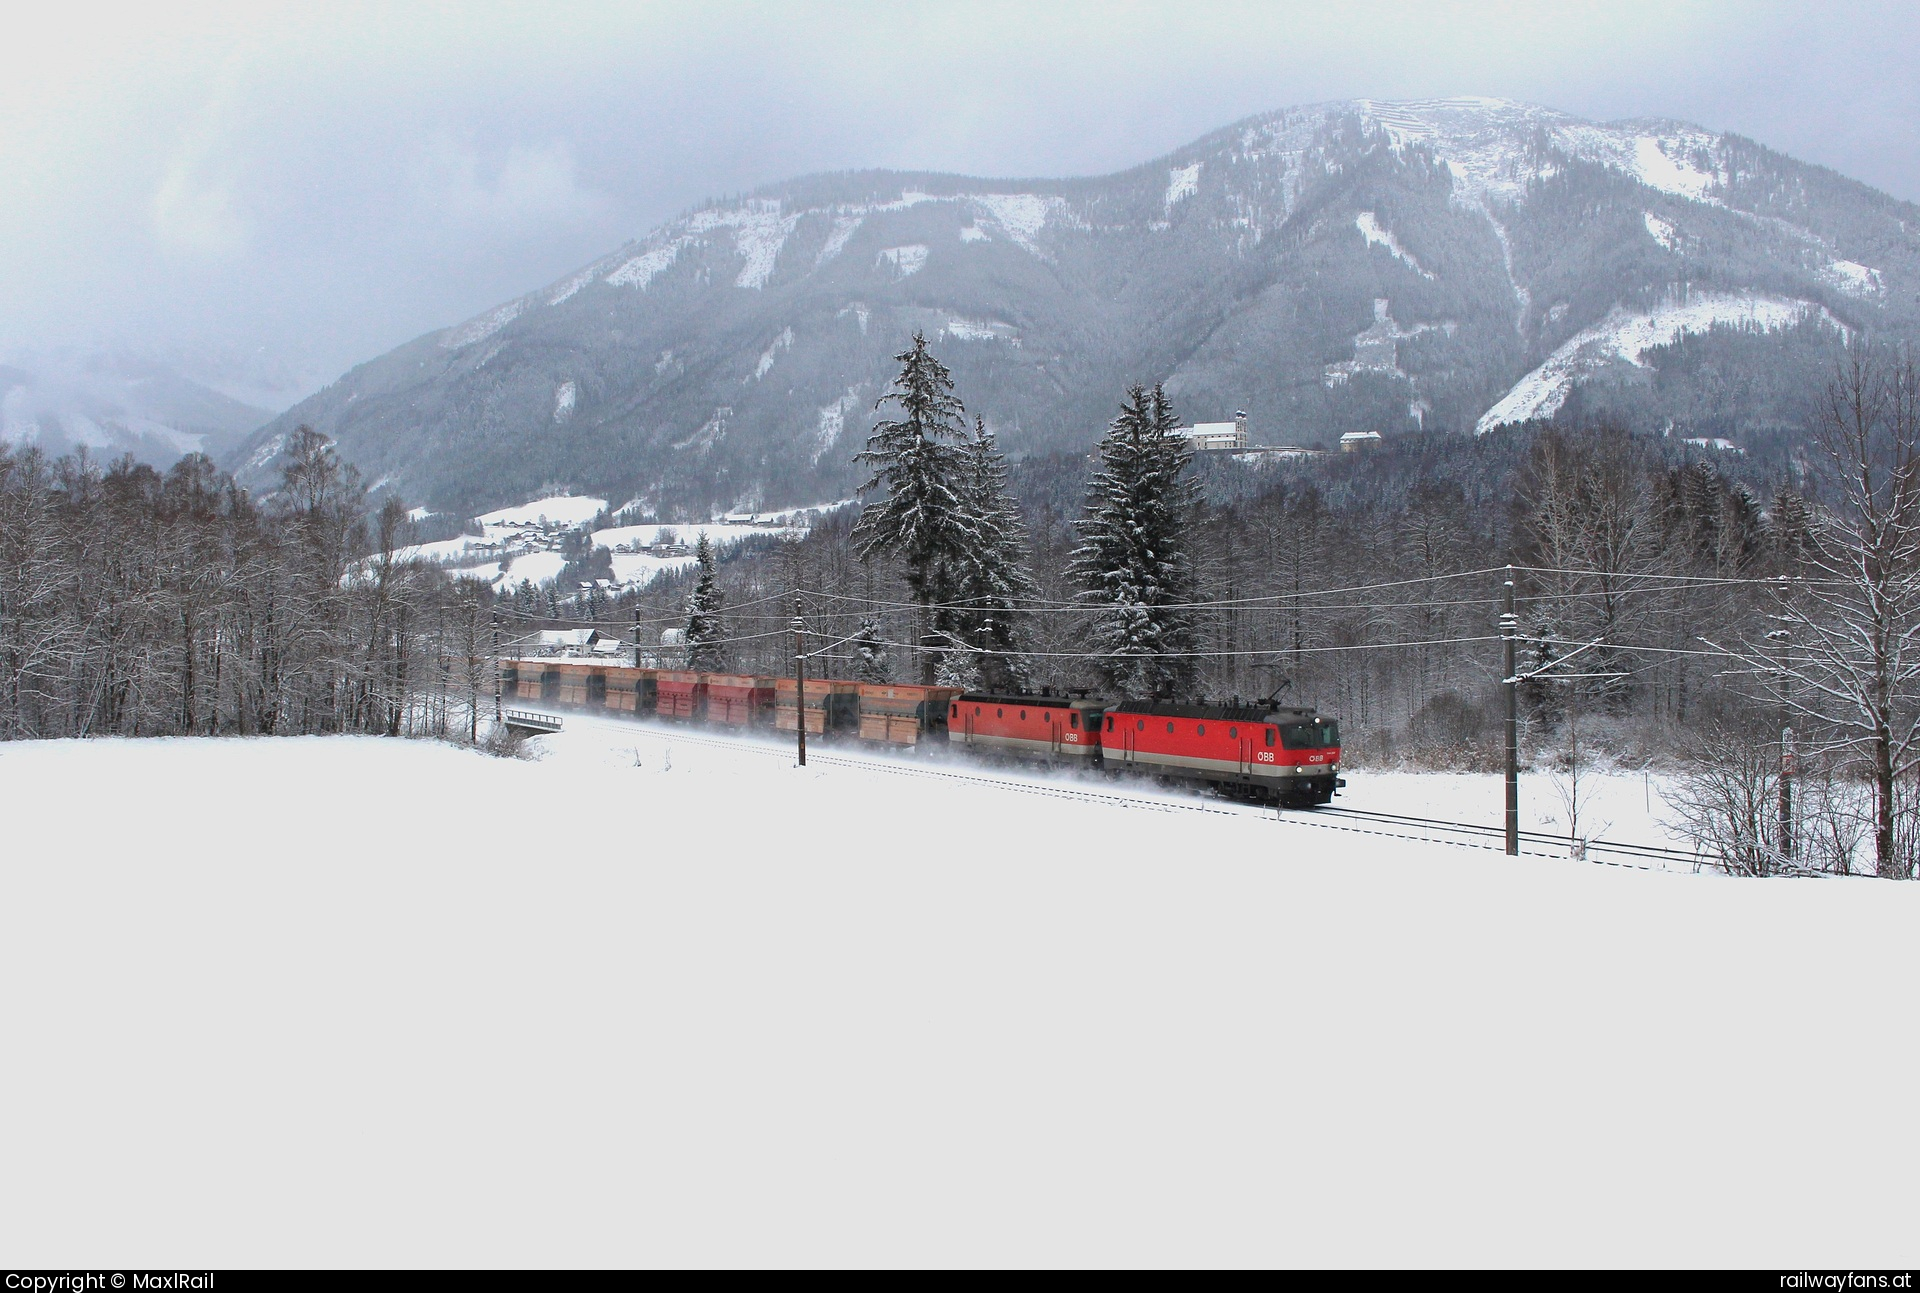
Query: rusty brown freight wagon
[(832, 706), (903, 714), (681, 694), (575, 683), (739, 700), (631, 691)]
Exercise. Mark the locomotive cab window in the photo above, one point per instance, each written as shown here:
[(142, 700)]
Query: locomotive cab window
[(1316, 734), (1073, 719), (1269, 738)]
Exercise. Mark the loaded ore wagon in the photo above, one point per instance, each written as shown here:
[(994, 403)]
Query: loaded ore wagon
[(900, 714), (739, 700), (575, 682), (631, 691), (681, 694), (832, 706)]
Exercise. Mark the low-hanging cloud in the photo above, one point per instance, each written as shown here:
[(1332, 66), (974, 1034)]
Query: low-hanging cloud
[(196, 215), (528, 187)]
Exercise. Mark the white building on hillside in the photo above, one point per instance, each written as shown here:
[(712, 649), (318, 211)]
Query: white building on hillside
[(575, 642), (1218, 435)]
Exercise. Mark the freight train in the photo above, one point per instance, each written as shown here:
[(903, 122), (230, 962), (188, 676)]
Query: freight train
[(1260, 751)]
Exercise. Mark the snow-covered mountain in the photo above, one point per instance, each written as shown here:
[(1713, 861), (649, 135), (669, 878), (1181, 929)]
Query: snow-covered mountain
[(1439, 266), (114, 403)]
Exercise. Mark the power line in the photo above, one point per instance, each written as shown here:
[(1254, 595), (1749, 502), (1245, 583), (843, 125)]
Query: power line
[(1185, 655), (1040, 606), (1767, 581)]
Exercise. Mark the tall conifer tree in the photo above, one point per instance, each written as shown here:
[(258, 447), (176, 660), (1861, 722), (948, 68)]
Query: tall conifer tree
[(921, 518), (1134, 562), (991, 575), (704, 632)]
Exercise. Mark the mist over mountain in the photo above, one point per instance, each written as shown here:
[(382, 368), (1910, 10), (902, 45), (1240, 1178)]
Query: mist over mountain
[(115, 403), (1430, 267)]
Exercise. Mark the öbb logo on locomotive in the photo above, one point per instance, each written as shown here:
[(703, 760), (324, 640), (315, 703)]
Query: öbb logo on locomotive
[(1256, 750)]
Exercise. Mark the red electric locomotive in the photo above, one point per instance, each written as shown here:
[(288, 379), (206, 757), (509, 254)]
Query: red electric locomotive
[(1263, 752), (1043, 726)]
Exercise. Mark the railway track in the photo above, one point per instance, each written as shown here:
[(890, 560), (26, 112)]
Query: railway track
[(1356, 821), (1644, 852)]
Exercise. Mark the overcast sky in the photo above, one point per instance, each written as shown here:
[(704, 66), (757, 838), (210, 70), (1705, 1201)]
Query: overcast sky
[(276, 194)]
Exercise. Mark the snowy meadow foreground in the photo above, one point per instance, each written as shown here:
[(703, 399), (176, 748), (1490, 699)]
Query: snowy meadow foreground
[(652, 1000)]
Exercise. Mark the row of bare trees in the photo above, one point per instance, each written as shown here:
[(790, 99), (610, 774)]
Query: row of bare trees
[(137, 603), (1840, 662)]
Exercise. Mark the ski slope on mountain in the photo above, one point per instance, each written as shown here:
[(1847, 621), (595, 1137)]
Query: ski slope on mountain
[(1624, 335), (658, 1000)]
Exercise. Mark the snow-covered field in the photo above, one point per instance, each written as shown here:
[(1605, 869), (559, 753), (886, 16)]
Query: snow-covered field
[(469, 554), (559, 509), (657, 1000), (1621, 807), (642, 568)]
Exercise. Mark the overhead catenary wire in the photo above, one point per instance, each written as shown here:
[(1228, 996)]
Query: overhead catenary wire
[(1754, 581), (1306, 600), (1240, 653), (1188, 655), (1032, 606), (1247, 652)]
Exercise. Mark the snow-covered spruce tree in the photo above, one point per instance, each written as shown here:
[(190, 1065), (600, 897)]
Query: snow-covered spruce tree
[(871, 662), (991, 576), (960, 666), (921, 519), (704, 632), (1133, 561)]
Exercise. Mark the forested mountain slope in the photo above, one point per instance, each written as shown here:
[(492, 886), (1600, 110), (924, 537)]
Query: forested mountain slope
[(1439, 266)]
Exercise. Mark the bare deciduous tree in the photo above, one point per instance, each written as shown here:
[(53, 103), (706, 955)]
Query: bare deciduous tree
[(1853, 670)]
